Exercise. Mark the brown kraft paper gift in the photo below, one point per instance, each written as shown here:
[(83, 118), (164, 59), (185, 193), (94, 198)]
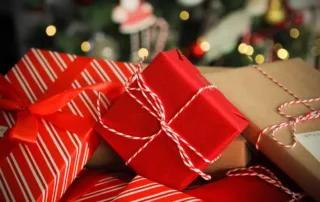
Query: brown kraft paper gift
[(258, 98)]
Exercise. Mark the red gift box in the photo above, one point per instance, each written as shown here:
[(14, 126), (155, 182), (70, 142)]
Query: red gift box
[(255, 183), (142, 189), (43, 168), (179, 127), (96, 186)]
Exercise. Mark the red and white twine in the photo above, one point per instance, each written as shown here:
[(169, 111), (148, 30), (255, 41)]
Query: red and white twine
[(268, 177), (292, 120), (156, 108)]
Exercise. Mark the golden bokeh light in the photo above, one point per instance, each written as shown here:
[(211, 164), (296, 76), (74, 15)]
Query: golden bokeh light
[(259, 59), (143, 52), (283, 54), (51, 30), (205, 46), (242, 48), (250, 50), (85, 46), (294, 33), (184, 15)]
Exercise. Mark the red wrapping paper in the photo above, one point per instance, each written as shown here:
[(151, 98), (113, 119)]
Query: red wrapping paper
[(96, 186), (142, 189), (239, 189), (209, 124), (43, 170)]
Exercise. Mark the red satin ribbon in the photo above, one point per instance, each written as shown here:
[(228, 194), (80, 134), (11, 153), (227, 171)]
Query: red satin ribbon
[(28, 115)]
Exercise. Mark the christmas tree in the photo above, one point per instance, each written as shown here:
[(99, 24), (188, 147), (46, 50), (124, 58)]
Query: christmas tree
[(209, 32)]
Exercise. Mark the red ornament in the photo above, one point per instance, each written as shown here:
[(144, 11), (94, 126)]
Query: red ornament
[(196, 50)]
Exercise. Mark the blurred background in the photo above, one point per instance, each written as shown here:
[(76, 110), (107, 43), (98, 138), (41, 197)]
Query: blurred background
[(228, 33)]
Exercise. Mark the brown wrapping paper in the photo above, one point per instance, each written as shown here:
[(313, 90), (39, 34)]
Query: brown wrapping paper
[(258, 98)]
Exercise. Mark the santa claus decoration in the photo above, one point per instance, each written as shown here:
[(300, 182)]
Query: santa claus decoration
[(136, 19)]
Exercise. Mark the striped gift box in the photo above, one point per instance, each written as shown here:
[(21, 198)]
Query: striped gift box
[(142, 189), (96, 186), (43, 171)]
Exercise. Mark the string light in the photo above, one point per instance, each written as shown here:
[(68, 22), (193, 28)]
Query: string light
[(276, 47), (184, 15), (315, 51), (250, 50), (259, 59), (51, 30), (242, 48), (283, 54), (205, 46), (294, 33), (85, 46), (143, 52)]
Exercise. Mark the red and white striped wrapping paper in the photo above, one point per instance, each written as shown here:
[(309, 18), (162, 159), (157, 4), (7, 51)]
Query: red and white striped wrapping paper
[(142, 189), (43, 171), (93, 186)]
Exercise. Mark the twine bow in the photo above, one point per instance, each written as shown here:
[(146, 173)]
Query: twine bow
[(293, 120), (268, 177), (157, 109)]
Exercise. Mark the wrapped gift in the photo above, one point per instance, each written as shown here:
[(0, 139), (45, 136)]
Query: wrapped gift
[(173, 119), (43, 147), (281, 100), (247, 184), (236, 155), (91, 185), (142, 189)]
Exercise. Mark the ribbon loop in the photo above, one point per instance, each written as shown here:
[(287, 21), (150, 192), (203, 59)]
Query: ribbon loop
[(153, 104)]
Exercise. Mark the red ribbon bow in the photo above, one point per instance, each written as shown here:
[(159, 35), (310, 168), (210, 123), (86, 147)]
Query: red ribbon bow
[(29, 114)]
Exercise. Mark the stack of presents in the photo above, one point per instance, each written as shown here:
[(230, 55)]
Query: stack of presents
[(74, 128)]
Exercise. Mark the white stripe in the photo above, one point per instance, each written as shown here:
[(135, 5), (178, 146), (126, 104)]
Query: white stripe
[(7, 186), (114, 70), (26, 186), (77, 84), (108, 199), (70, 57), (23, 86), (128, 67), (57, 62), (104, 191), (100, 71), (43, 65), (63, 150), (105, 100), (119, 70), (35, 75), (110, 188), (106, 181), (40, 174), (47, 64), (56, 176), (77, 155), (4, 191), (85, 154), (60, 59), (6, 118), (158, 196), (133, 67), (76, 138), (35, 175), (11, 117), (138, 190)]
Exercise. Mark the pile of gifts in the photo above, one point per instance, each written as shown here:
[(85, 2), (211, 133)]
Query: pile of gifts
[(64, 115)]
